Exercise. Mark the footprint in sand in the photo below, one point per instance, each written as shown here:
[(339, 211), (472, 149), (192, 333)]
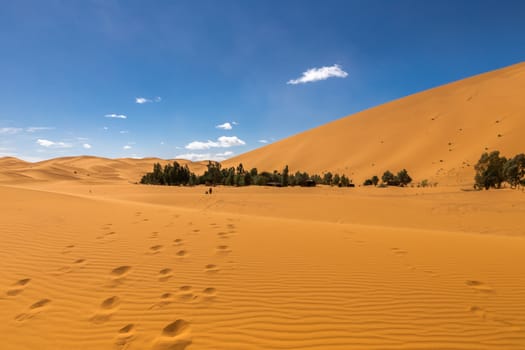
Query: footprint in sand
[(68, 249), (106, 310), (209, 293), (186, 294), (118, 275), (223, 234), (399, 252), (165, 274), (155, 249), (125, 336), (175, 336), (486, 316), (479, 286), (222, 249), (33, 310), (120, 272), (154, 234), (478, 311), (211, 268), (177, 242), (106, 236), (18, 287), (165, 300), (77, 264), (181, 253)]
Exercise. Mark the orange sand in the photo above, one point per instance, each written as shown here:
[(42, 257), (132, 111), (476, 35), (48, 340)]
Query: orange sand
[(99, 263)]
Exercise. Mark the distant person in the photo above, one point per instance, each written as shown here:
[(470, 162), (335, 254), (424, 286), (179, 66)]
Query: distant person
[(210, 190)]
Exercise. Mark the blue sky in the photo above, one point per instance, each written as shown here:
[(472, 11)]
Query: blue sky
[(72, 70)]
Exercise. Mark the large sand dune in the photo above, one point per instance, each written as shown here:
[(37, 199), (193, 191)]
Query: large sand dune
[(436, 134)]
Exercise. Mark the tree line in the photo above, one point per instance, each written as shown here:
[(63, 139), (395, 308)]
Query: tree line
[(177, 175), (402, 179), (492, 170)]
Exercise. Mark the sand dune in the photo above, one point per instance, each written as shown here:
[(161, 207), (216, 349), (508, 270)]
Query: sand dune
[(87, 169), (436, 134)]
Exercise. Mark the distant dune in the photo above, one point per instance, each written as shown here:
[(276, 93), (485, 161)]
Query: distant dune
[(437, 134), (83, 168)]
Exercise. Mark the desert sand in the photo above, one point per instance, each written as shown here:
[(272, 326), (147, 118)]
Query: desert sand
[(91, 260), (102, 263)]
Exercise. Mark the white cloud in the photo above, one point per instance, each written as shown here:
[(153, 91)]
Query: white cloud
[(263, 141), (105, 128), (39, 128), (142, 100), (126, 147), (86, 145), (235, 123), (117, 116), (10, 131), (52, 144), (222, 142), (123, 131), (225, 126), (316, 74), (196, 157)]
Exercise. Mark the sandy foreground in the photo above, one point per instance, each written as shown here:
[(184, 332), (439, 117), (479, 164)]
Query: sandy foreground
[(123, 266)]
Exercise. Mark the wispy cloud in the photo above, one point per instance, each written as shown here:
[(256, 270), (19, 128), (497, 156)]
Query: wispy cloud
[(10, 131), (127, 147), (316, 74), (263, 141), (196, 157), (225, 126), (222, 142), (39, 128), (86, 146), (123, 132), (117, 116), (53, 144), (30, 129), (142, 100)]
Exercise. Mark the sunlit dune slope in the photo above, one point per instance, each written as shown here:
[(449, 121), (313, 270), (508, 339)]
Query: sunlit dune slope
[(436, 134)]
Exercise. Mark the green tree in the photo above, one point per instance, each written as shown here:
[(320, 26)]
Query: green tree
[(344, 181), (403, 178), (389, 179), (327, 178), (514, 171), (336, 180), (489, 171)]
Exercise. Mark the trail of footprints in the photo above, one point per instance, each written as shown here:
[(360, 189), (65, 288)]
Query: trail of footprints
[(175, 335), (476, 286)]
